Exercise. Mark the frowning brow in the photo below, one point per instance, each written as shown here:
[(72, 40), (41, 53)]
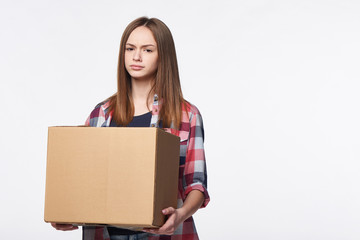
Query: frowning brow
[(146, 45)]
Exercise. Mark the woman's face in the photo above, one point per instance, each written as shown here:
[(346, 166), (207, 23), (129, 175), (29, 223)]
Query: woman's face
[(141, 55)]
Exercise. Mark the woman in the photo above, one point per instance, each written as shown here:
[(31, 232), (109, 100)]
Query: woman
[(149, 95)]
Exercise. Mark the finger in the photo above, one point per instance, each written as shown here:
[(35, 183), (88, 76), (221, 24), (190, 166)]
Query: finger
[(151, 230), (168, 227), (72, 227), (161, 230), (169, 210), (64, 227), (67, 228)]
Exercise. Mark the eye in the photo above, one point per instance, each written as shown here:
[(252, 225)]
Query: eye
[(148, 50), (129, 49)]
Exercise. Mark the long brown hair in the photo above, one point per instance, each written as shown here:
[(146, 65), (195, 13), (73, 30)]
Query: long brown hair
[(167, 81)]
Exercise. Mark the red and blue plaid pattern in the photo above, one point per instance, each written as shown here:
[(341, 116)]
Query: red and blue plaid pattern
[(192, 171)]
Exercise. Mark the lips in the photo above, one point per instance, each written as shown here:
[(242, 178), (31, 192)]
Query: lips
[(136, 67)]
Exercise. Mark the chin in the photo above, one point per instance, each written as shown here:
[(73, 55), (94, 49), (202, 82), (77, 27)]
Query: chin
[(137, 77), (142, 76)]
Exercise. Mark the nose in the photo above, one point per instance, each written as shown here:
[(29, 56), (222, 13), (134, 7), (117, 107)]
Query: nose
[(137, 55)]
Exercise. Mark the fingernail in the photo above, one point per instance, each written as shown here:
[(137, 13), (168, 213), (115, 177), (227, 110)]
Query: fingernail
[(163, 211)]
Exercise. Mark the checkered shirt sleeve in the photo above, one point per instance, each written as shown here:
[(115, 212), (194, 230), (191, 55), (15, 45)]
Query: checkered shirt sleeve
[(195, 174)]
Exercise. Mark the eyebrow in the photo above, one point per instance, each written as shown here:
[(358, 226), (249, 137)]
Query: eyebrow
[(146, 45)]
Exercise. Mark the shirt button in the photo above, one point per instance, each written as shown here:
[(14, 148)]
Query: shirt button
[(155, 110), (152, 125)]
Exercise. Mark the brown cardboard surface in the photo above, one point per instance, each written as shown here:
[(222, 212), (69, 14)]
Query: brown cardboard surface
[(164, 184), (116, 176)]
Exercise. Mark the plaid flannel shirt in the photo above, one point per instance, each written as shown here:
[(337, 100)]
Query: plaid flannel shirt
[(192, 170)]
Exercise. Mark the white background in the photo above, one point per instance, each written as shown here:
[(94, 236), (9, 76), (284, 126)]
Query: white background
[(277, 83)]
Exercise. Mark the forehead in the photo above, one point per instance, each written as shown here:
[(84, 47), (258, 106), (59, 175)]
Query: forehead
[(141, 35)]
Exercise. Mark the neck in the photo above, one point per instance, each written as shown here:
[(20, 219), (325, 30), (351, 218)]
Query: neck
[(140, 90)]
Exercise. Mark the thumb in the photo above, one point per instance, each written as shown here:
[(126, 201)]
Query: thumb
[(169, 210)]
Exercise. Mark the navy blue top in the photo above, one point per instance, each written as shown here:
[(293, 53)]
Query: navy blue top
[(138, 121)]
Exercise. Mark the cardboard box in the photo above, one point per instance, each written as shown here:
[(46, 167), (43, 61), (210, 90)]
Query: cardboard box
[(117, 176)]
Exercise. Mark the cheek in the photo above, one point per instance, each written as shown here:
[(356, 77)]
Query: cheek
[(127, 58), (155, 63), (154, 67), (127, 62)]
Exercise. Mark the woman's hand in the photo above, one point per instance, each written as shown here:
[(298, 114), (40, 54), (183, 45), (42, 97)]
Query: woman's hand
[(64, 227), (175, 218)]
